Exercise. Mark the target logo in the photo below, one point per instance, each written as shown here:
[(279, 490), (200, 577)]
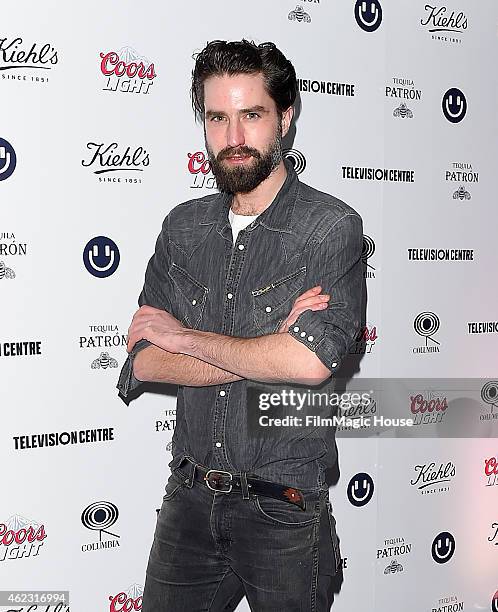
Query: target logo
[(454, 105), (494, 603), (296, 158), (360, 489), (368, 14), (443, 547), (8, 159), (101, 256), (489, 394), (100, 516), (426, 324)]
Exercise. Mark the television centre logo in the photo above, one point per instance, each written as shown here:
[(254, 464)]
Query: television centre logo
[(368, 14), (21, 538), (8, 159), (100, 516), (26, 61), (126, 71), (443, 23), (101, 256), (104, 159)]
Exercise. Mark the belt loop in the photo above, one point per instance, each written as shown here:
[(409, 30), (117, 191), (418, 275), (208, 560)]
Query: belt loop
[(243, 485), (191, 477)]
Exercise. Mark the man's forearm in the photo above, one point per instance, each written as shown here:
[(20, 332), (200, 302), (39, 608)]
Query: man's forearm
[(271, 358), (153, 364)]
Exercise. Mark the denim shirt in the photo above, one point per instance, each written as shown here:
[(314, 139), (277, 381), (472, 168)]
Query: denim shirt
[(247, 289)]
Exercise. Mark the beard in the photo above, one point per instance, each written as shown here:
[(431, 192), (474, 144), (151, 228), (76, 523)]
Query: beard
[(245, 178)]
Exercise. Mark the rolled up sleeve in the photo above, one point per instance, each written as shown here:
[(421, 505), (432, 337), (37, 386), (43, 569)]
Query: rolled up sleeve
[(335, 264), (157, 292)]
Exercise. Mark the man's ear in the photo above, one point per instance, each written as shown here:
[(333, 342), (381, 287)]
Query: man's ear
[(286, 119)]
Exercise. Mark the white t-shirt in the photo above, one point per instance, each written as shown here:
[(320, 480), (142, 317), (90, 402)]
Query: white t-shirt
[(239, 222)]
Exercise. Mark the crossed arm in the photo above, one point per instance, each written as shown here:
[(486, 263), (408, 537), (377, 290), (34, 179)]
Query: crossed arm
[(183, 356)]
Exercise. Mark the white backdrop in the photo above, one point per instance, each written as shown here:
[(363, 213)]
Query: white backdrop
[(58, 107)]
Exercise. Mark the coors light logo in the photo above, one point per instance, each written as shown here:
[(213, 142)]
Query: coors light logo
[(20, 537), (128, 600), (127, 71), (200, 170)]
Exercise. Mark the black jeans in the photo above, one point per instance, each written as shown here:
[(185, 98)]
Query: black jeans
[(210, 548)]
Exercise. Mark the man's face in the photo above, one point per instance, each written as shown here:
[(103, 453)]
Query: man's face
[(243, 131)]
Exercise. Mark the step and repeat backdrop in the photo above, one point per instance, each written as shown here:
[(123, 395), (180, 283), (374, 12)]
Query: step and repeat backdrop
[(397, 117)]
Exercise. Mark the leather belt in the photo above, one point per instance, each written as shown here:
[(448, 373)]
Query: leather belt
[(225, 482)]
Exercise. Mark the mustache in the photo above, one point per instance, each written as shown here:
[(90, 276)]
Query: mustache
[(232, 151)]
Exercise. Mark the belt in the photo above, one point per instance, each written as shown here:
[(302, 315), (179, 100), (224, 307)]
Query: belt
[(225, 482)]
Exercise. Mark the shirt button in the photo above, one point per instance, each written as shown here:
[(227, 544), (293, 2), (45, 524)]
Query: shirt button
[(194, 302), (296, 329), (268, 309), (223, 393), (334, 365), (229, 296), (241, 247), (311, 338), (302, 334), (218, 444)]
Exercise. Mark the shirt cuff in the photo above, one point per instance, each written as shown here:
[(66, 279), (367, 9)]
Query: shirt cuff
[(313, 333), (127, 381)]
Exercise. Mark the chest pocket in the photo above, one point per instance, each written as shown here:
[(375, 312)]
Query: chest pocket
[(191, 296), (272, 304)]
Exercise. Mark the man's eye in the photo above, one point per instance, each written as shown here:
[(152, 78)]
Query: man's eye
[(252, 115), (217, 118)]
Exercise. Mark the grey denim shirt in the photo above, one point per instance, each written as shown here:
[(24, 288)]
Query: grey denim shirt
[(304, 238)]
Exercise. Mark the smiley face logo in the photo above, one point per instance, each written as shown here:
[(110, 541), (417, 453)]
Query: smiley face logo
[(454, 105), (8, 159), (494, 603), (360, 489), (368, 14), (443, 547), (101, 256)]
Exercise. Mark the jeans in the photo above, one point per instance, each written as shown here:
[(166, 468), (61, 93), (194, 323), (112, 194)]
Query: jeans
[(210, 548)]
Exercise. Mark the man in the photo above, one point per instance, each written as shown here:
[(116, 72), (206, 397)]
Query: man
[(237, 293)]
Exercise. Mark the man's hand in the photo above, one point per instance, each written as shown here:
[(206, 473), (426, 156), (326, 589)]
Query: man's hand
[(158, 327), (309, 300)]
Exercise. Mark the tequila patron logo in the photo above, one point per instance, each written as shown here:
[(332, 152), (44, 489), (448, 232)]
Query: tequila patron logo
[(105, 159), (26, 61), (461, 174), (427, 324), (393, 547), (127, 71), (8, 159), (200, 170), (127, 601), (103, 339), (299, 15), (403, 92), (433, 478), (443, 23), (10, 247), (451, 603), (168, 422), (20, 537), (100, 516)]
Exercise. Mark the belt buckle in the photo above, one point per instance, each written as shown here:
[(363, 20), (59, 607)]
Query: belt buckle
[(211, 481)]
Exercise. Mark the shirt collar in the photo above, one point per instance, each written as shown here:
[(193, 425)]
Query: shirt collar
[(276, 217)]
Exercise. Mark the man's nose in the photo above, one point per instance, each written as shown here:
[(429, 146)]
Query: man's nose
[(235, 136)]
